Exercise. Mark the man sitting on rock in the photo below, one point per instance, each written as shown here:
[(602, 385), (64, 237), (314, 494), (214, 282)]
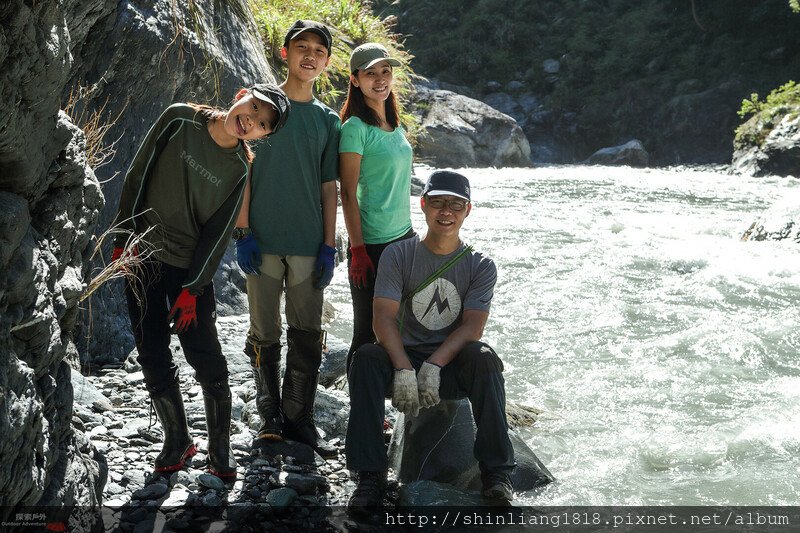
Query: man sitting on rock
[(432, 299)]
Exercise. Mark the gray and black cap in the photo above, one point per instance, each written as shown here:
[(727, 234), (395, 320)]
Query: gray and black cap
[(273, 95)]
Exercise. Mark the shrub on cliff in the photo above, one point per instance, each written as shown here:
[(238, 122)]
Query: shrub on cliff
[(766, 114)]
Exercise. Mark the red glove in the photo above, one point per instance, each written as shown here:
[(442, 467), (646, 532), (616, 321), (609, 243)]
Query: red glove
[(361, 268), (117, 253), (184, 311)]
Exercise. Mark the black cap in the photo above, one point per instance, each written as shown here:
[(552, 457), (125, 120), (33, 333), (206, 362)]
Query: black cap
[(273, 95), (313, 26), (442, 182)]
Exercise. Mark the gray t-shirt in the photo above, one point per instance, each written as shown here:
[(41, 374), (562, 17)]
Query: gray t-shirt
[(434, 313)]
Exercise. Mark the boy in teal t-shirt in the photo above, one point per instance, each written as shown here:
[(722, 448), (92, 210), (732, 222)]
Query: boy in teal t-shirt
[(285, 243)]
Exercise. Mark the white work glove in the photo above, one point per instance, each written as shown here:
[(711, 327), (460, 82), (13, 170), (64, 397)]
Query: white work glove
[(428, 379), (404, 395)]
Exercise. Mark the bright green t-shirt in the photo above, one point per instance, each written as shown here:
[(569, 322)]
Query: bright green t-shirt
[(384, 184), (288, 172)]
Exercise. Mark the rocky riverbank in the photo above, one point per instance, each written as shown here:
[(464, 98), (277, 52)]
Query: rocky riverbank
[(291, 489)]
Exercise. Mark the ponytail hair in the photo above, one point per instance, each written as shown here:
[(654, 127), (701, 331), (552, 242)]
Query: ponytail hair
[(214, 113), (356, 106)]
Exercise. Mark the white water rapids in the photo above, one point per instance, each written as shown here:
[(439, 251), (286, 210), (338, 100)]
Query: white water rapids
[(662, 349)]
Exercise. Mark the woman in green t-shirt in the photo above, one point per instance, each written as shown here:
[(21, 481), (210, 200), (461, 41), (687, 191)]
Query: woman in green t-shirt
[(375, 168)]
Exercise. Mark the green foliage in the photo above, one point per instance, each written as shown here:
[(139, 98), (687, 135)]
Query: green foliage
[(766, 113), (352, 23), (779, 101), (795, 5)]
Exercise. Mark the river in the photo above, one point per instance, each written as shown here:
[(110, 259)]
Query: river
[(661, 348)]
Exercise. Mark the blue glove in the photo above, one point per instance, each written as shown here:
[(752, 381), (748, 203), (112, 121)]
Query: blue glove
[(323, 268), (248, 255)]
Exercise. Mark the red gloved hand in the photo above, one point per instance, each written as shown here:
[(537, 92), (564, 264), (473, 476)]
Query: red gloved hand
[(118, 251), (184, 311), (361, 268)]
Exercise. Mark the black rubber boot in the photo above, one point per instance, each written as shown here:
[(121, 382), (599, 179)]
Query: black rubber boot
[(368, 494), (266, 363), (178, 445), (217, 399), (299, 391)]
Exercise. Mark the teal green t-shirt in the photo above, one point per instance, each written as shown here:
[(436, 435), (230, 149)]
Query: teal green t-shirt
[(288, 172), (384, 184)]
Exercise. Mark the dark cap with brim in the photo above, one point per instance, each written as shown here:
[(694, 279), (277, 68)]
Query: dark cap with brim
[(314, 27), (447, 182), (369, 54), (273, 95)]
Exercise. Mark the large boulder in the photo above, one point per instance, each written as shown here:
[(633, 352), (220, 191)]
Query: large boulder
[(140, 57), (778, 154), (462, 132), (437, 446), (632, 154)]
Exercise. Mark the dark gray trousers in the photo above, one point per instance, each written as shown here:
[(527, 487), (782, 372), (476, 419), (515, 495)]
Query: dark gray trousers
[(476, 373)]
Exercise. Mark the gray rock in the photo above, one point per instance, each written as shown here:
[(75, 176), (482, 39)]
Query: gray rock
[(302, 484), (302, 453), (334, 361), (514, 86), (551, 66), (282, 497), (211, 481), (212, 499), (493, 86), (181, 477), (780, 222), (151, 492), (632, 153), (462, 132), (778, 154), (505, 103), (134, 379), (432, 493), (331, 412), (437, 446)]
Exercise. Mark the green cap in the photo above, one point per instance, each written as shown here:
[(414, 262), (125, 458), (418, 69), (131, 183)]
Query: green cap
[(368, 54)]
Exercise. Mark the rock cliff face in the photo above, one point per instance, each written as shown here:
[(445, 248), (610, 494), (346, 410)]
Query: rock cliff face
[(49, 204), (462, 132), (138, 54)]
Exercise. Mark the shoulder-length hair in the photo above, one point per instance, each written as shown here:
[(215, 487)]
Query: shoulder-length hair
[(356, 106)]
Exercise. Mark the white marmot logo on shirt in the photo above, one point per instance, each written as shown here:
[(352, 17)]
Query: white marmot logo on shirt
[(200, 169), (437, 305)]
